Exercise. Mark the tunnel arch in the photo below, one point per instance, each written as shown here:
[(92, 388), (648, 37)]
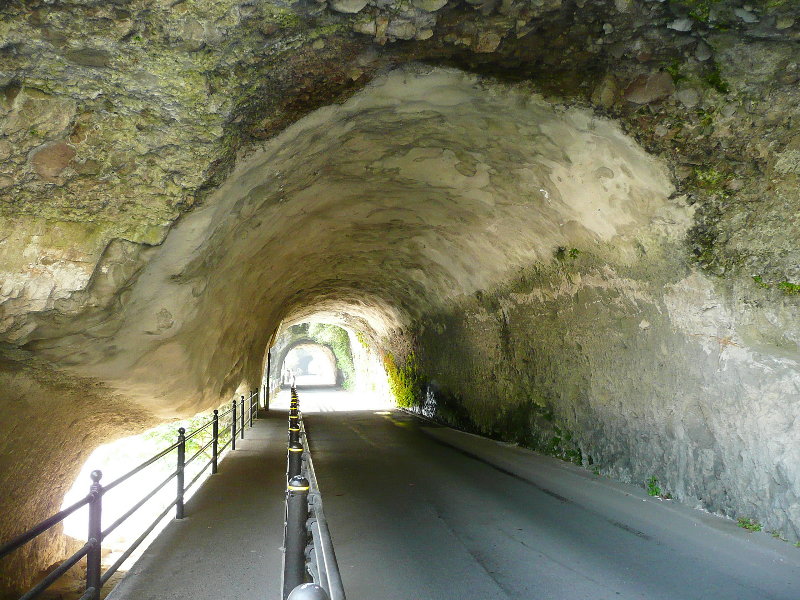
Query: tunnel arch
[(410, 207), (669, 349), (520, 282)]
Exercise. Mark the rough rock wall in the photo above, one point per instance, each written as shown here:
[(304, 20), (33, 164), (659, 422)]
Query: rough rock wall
[(636, 371), (115, 120)]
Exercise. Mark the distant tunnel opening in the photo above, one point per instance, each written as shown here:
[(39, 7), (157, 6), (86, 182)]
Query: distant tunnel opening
[(310, 365)]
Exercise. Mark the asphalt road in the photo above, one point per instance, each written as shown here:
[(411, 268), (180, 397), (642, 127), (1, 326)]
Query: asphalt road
[(426, 513)]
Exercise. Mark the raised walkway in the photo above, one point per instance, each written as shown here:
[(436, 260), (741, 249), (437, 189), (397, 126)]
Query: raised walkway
[(229, 544)]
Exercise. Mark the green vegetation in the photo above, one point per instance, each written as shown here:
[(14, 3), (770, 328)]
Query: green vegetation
[(710, 179), (284, 17), (787, 287), (329, 30), (700, 10), (405, 380), (706, 116), (337, 340), (675, 70), (713, 77), (563, 253), (561, 446), (362, 339), (773, 4), (167, 434), (749, 524), (652, 486), (760, 282)]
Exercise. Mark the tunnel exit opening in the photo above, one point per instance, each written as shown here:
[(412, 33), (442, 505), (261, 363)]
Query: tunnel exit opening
[(311, 365), (335, 361)]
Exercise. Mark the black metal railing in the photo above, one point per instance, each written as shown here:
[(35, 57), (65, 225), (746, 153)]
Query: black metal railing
[(95, 577), (308, 548)]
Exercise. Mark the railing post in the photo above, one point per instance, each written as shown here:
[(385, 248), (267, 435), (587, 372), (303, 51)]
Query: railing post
[(266, 386), (242, 417), (294, 434), (233, 425), (95, 535), (295, 460), (215, 441), (294, 559), (180, 478), (251, 408)]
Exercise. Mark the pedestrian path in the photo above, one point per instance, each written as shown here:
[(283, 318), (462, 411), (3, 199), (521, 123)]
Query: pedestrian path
[(228, 546)]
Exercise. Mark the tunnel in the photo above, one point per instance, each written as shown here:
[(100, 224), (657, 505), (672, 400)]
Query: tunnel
[(568, 225), (314, 354)]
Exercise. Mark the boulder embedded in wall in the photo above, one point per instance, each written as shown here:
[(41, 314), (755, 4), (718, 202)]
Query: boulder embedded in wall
[(649, 88), (488, 41), (89, 57), (36, 113), (50, 159), (429, 5), (348, 6)]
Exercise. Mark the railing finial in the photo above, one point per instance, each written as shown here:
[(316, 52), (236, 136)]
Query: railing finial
[(308, 591)]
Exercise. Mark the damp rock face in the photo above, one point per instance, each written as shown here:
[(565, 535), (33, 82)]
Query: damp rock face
[(589, 208)]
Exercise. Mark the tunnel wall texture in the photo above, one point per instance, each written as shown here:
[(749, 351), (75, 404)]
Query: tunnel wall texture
[(634, 372)]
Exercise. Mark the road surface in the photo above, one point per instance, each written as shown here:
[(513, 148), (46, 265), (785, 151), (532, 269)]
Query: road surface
[(426, 513)]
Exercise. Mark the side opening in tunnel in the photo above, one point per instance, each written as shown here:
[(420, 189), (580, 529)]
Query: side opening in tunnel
[(114, 460)]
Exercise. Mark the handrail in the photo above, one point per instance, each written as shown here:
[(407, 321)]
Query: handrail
[(304, 500), (140, 468), (198, 430), (95, 579), (62, 568), (39, 529), (107, 531), (199, 452), (137, 542), (330, 579), (196, 477)]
